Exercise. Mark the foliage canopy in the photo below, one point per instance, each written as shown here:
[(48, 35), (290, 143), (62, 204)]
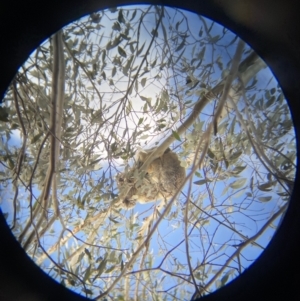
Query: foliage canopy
[(129, 78)]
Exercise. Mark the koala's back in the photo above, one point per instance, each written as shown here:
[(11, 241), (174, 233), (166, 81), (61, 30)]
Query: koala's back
[(166, 171), (163, 177), (172, 173)]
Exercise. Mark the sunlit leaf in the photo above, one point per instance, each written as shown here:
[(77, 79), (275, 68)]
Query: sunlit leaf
[(175, 134), (148, 99), (266, 186), (238, 169), (265, 198), (238, 183), (87, 273)]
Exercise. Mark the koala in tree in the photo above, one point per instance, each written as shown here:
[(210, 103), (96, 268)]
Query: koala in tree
[(160, 181)]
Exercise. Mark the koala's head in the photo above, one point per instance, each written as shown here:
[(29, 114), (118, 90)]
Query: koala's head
[(127, 204)]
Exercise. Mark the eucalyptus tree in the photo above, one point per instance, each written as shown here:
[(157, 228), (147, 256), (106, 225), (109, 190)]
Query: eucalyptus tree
[(126, 80)]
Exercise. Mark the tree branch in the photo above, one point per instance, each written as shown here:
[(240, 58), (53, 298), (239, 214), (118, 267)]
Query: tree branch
[(58, 84)]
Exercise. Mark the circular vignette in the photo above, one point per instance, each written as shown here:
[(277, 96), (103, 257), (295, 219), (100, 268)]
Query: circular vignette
[(279, 51)]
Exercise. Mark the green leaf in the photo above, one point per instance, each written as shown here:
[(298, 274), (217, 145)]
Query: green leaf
[(131, 47), (224, 280), (122, 52), (225, 190), (133, 15), (103, 56), (164, 32), (201, 182), (266, 186), (36, 138), (114, 71), (112, 256), (270, 101), (226, 163), (116, 26), (143, 81), (110, 269), (127, 66), (265, 198), (148, 99), (113, 220), (87, 273), (141, 120), (121, 17), (198, 174), (165, 96), (235, 156), (114, 43), (238, 169), (140, 50), (175, 134), (201, 53), (36, 73), (231, 129), (180, 46), (101, 267), (87, 252), (238, 183), (210, 153), (214, 39), (178, 23), (153, 63)]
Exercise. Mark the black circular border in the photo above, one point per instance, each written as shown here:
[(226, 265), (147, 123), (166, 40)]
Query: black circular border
[(271, 27)]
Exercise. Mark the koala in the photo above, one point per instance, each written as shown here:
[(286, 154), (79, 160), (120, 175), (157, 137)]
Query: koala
[(161, 180)]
